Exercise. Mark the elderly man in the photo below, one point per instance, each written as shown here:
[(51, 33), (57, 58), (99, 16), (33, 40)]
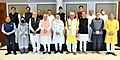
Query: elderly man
[(35, 35), (45, 33), (111, 27), (72, 31), (9, 28), (90, 16), (58, 33), (97, 34)]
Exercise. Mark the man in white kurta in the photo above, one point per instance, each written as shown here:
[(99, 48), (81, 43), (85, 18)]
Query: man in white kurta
[(58, 33), (72, 33), (90, 17), (34, 35)]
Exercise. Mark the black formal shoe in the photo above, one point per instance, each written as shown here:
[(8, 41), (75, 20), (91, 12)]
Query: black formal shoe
[(49, 52), (44, 52), (61, 52), (21, 52), (113, 54), (107, 53), (74, 53), (15, 53), (67, 52), (7, 53), (55, 52)]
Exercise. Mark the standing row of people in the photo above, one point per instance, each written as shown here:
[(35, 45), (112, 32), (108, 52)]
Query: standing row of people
[(46, 29)]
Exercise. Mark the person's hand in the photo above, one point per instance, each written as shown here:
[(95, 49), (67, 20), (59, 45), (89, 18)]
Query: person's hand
[(8, 33), (97, 32), (111, 33), (58, 33), (45, 30), (76, 35)]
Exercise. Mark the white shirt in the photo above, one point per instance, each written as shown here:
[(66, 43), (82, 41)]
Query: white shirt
[(90, 18), (51, 17), (104, 17)]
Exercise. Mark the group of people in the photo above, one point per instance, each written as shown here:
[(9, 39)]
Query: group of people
[(45, 30)]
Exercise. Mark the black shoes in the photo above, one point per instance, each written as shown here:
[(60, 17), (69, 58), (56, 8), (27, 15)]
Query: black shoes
[(68, 52), (15, 53), (55, 52), (58, 51), (49, 52), (74, 53), (111, 53), (44, 52), (61, 52), (7, 53), (10, 53), (107, 53)]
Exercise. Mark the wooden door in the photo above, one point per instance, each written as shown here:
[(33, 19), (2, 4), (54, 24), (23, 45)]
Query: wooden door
[(2, 20), (119, 23)]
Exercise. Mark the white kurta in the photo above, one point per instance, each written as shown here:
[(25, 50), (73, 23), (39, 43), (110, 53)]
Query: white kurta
[(89, 28), (58, 26)]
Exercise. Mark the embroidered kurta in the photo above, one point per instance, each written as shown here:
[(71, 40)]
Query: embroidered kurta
[(113, 26), (71, 27), (58, 26)]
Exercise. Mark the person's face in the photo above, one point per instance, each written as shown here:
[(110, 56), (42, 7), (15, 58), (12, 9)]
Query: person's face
[(83, 14), (57, 16), (97, 15), (28, 10), (90, 12), (49, 12), (45, 17), (13, 10), (80, 9), (72, 16), (35, 15), (39, 12), (111, 16), (61, 10), (8, 19)]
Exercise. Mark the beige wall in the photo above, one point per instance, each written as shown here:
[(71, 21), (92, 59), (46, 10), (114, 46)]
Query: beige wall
[(45, 7), (75, 7), (109, 7), (19, 8)]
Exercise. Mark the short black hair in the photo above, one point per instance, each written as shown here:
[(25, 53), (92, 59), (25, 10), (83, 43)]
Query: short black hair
[(49, 10), (28, 7), (81, 6), (60, 8), (13, 7)]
